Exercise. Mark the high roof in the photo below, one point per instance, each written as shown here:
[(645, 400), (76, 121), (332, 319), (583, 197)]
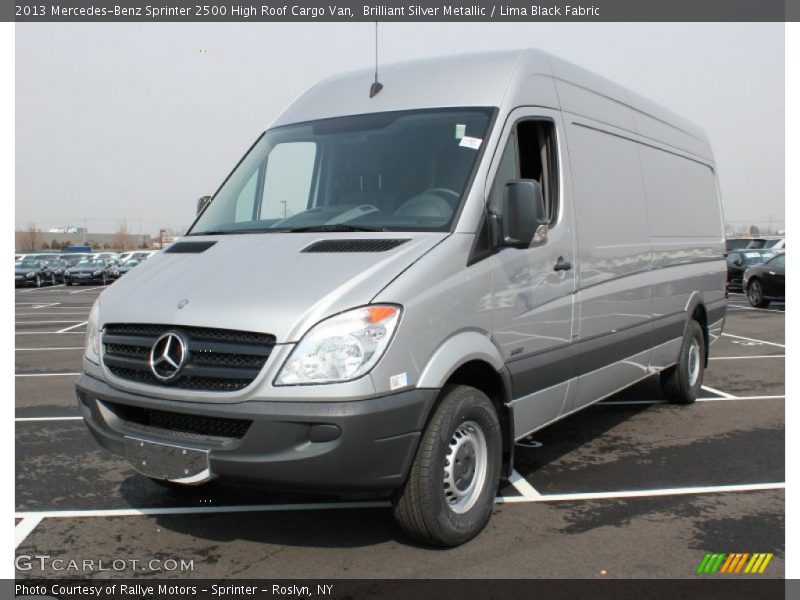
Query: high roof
[(505, 79)]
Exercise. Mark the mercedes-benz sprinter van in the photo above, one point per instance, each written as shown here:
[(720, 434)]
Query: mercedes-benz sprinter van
[(392, 288)]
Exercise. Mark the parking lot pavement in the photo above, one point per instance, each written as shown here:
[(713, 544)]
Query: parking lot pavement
[(631, 487)]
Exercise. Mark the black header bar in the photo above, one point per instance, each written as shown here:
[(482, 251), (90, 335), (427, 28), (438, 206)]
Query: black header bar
[(183, 11)]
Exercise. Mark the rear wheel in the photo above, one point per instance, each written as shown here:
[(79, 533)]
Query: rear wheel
[(681, 384), (755, 294), (448, 496)]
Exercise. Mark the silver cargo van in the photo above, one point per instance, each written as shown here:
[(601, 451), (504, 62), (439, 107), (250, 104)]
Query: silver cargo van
[(390, 289)]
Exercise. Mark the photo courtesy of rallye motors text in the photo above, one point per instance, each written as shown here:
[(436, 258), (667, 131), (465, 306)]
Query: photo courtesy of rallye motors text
[(444, 268)]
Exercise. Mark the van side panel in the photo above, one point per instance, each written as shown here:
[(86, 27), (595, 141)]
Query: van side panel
[(686, 228), (611, 221), (614, 297)]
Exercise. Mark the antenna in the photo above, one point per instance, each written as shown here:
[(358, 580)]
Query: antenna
[(376, 86)]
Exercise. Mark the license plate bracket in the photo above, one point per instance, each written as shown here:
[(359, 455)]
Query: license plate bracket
[(169, 462)]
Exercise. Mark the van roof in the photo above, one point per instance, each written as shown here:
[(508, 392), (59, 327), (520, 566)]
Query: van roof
[(505, 79)]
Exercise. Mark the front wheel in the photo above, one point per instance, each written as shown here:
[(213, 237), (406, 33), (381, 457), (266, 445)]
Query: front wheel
[(681, 384), (755, 294), (448, 496)]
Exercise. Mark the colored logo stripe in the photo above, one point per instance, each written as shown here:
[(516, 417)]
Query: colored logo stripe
[(734, 563)]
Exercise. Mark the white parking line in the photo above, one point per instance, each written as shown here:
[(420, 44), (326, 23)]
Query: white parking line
[(46, 374), (741, 337), (45, 349), (719, 393), (30, 519), (46, 322), (66, 329), (767, 310), (99, 287), (713, 489), (522, 486), (40, 289), (39, 419), (746, 357), (723, 399), (24, 529), (48, 332), (53, 314)]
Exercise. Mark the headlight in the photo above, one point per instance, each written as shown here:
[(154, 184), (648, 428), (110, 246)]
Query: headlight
[(93, 334), (340, 348), (30, 275), (98, 272)]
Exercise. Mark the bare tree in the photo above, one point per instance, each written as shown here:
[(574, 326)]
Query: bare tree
[(754, 230), (29, 238), (122, 240)]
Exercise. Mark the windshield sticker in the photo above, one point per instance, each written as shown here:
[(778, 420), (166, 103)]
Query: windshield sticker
[(470, 142), (461, 130)]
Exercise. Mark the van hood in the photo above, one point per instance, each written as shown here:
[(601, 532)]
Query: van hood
[(259, 282)]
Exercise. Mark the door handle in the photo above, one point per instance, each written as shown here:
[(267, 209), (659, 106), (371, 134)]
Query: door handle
[(562, 265)]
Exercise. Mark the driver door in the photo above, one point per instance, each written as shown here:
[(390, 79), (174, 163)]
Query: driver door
[(533, 288)]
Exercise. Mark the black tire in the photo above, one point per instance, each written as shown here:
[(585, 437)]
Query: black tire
[(68, 282), (424, 507), (681, 383), (755, 294)]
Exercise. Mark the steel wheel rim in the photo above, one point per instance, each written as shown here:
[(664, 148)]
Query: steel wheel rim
[(466, 464), (694, 362)]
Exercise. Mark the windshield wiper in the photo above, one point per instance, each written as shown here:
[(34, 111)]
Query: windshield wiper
[(332, 227), (231, 231)]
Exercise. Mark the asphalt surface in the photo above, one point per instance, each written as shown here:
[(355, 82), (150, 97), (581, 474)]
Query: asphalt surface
[(631, 487)]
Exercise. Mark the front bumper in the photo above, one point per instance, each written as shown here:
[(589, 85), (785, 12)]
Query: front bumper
[(353, 446)]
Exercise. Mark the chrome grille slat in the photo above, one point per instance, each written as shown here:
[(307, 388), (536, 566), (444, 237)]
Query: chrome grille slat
[(219, 360)]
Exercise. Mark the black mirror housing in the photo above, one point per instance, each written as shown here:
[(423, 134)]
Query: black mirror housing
[(523, 212), (202, 202)]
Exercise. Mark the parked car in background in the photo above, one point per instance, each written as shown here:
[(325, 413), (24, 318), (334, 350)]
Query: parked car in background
[(777, 243), (32, 272), (89, 270), (737, 243), (59, 267), (112, 258), (766, 282), (73, 259), (134, 254), (120, 270), (740, 260)]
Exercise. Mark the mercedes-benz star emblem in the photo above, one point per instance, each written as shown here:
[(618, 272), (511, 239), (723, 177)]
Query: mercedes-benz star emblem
[(168, 356)]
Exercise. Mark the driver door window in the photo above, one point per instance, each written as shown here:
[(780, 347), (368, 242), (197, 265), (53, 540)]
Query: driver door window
[(529, 154)]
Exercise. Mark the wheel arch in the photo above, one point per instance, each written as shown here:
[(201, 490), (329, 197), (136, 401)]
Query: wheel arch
[(470, 358)]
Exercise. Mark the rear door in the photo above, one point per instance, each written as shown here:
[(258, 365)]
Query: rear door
[(532, 290)]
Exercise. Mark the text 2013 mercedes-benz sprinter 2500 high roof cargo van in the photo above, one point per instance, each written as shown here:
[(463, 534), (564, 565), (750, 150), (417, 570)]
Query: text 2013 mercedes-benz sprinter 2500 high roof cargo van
[(388, 291)]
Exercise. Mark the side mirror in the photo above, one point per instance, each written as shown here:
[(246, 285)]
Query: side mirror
[(524, 218), (202, 202)]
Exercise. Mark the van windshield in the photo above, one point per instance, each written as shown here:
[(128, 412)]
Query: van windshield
[(397, 171)]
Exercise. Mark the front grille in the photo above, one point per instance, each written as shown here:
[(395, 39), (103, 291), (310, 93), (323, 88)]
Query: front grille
[(197, 427), (217, 360)]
